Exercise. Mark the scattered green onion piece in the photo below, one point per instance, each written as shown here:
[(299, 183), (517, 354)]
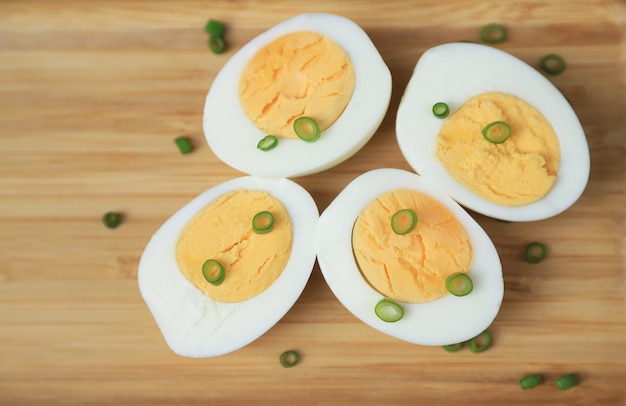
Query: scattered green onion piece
[(267, 143), (403, 221), (389, 311), (481, 342), (183, 144), (263, 222), (289, 358), (553, 64), (214, 28), (441, 110), (111, 219), (459, 284), (213, 271), (492, 34), (535, 252), (566, 381), (453, 347), (497, 132), (306, 129), (217, 44), (530, 381)]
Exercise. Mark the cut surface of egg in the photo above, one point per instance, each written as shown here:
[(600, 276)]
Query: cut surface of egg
[(442, 321), (457, 74), (193, 323), (317, 65)]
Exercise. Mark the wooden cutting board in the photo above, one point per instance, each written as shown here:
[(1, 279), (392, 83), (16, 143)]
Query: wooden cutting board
[(92, 95)]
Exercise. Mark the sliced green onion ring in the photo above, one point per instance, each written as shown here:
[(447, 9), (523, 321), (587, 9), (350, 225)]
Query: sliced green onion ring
[(530, 381), (112, 219), (459, 284), (289, 358), (214, 28), (441, 110), (404, 221), (453, 347), (213, 271), (497, 132), (552, 64), (263, 222), (267, 143), (566, 381), (217, 44), (183, 144), (492, 34), (535, 252), (480, 343), (389, 311), (306, 129)]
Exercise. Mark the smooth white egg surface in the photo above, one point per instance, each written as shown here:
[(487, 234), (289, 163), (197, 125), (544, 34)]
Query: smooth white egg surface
[(192, 323), (453, 73), (444, 321), (233, 137)]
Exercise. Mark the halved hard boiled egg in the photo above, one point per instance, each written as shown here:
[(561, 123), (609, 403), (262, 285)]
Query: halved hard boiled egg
[(369, 253), (511, 147), (216, 276), (318, 66)]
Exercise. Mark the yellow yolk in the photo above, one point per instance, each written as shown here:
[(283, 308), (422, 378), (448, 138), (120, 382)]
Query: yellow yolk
[(223, 231), (412, 267), (299, 74), (519, 171)]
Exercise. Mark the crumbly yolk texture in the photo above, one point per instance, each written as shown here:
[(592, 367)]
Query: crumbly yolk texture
[(223, 231), (519, 171), (299, 74), (412, 267)]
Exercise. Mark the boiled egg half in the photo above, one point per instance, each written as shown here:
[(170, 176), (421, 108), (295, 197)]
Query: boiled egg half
[(318, 66), (364, 261), (264, 272), (539, 171)]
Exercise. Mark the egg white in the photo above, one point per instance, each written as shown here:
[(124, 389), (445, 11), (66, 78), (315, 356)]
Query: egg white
[(233, 137), (448, 320), (193, 324), (453, 73)]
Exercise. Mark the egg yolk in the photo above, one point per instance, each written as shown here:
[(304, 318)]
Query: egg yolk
[(519, 171), (411, 267), (223, 231), (299, 74)]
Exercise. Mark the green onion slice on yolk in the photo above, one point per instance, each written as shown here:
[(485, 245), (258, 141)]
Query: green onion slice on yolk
[(497, 132), (459, 284), (306, 129), (263, 222), (404, 221), (213, 272)]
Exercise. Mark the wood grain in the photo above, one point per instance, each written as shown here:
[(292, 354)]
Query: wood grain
[(92, 95)]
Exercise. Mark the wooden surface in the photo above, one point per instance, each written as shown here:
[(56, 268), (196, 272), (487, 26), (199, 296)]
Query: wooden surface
[(92, 95)]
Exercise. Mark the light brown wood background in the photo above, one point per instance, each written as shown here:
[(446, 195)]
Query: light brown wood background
[(92, 94)]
